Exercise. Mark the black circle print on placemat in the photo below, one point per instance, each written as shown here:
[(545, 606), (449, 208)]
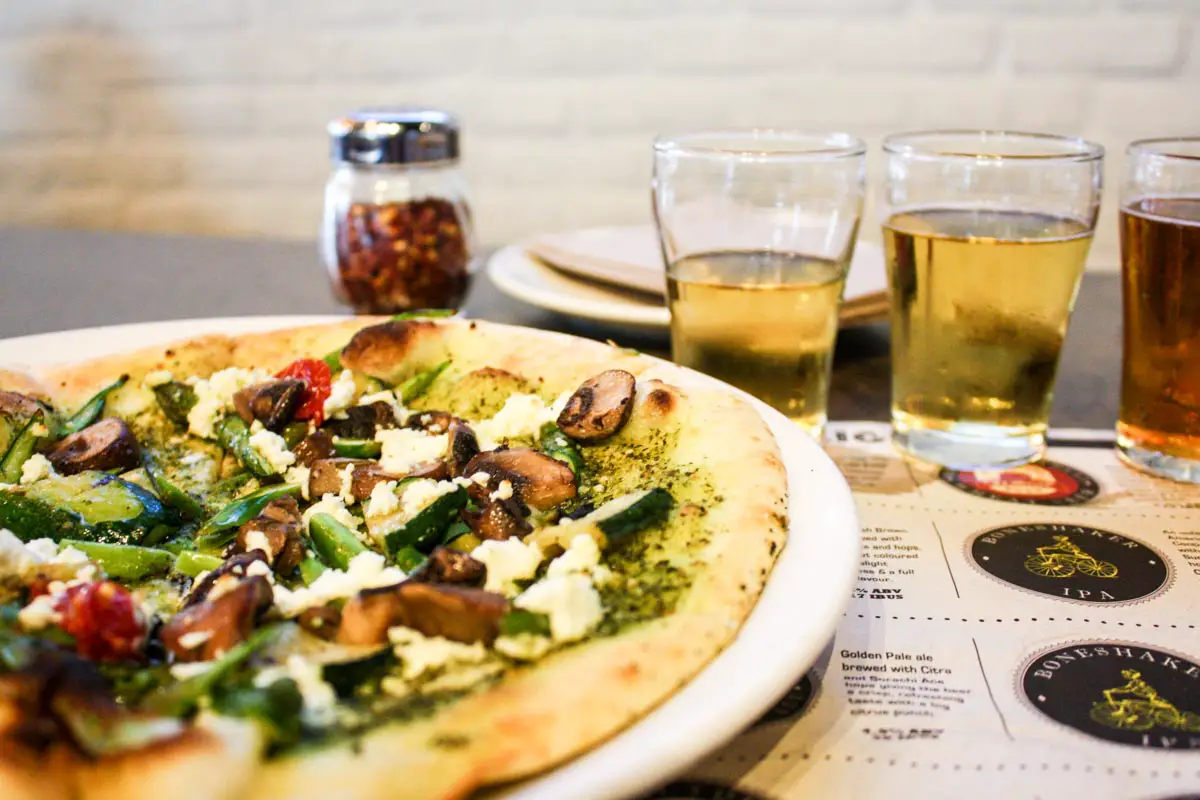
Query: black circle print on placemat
[(686, 790), (1120, 692), (1071, 562), (1046, 484), (793, 704)]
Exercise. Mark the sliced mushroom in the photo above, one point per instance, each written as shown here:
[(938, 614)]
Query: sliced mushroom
[(209, 629), (455, 613), (361, 422), (108, 444), (314, 447), (17, 405), (366, 476), (463, 446), (450, 566), (538, 480), (278, 527), (497, 519), (271, 402), (394, 350), (320, 621), (600, 407), (325, 475), (433, 470), (231, 571), (434, 423)]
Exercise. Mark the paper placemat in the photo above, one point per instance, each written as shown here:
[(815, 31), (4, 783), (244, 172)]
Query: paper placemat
[(1020, 634)]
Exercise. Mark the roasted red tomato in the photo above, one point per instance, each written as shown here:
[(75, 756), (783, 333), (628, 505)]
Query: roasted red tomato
[(317, 379), (104, 619)]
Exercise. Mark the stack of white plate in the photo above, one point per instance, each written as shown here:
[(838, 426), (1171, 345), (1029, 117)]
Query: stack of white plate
[(615, 276)]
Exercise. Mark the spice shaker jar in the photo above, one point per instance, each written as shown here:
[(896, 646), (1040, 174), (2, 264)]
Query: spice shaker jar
[(397, 227)]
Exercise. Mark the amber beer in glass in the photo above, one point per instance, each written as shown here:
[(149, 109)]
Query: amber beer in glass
[(1158, 427), (757, 231), (986, 234)]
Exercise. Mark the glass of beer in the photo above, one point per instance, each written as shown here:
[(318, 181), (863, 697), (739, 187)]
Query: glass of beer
[(757, 230), (986, 234), (1158, 427)]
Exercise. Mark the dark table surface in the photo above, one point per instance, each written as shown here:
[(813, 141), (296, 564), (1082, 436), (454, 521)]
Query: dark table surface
[(54, 280)]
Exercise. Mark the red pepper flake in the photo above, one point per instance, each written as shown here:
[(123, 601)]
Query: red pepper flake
[(402, 256), (104, 619), (317, 379)]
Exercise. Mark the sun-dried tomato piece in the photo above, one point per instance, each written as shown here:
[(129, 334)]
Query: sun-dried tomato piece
[(104, 619), (317, 379)]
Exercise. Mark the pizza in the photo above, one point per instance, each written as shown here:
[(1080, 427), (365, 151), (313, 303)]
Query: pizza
[(406, 557)]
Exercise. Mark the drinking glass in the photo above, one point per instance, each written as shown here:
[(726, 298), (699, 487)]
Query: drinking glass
[(757, 230), (1158, 427), (986, 234)]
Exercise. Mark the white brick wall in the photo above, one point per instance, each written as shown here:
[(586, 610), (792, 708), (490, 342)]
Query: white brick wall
[(177, 115)]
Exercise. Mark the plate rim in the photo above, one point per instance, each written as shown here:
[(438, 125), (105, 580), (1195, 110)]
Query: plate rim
[(645, 755)]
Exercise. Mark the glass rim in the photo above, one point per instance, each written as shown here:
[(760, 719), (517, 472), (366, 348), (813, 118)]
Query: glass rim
[(1154, 147), (909, 143), (797, 145)]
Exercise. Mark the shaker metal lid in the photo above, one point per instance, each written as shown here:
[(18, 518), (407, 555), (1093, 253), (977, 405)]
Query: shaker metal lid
[(395, 135)]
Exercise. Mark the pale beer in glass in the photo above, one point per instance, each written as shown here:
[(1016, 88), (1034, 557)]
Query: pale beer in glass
[(986, 235)]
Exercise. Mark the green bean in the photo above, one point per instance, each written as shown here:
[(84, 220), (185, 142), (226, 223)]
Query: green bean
[(357, 448), (191, 563), (234, 436), (213, 534), (92, 409), (424, 312), (418, 384), (554, 443), (294, 433), (334, 542), (174, 495), (21, 449), (409, 559), (124, 561), (181, 698), (519, 621), (310, 569), (176, 400)]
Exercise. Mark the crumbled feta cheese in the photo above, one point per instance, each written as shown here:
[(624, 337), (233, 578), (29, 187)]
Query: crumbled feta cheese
[(40, 613), (508, 561), (261, 569), (522, 415), (481, 478), (299, 475), (215, 393), (463, 678), (405, 448), (523, 646), (383, 500), (222, 586), (503, 492), (157, 378), (582, 556), (273, 448), (419, 654), (257, 540), (182, 672), (556, 408), (571, 602), (320, 699), (367, 570), (69, 555), (346, 488), (193, 639), (341, 393), (332, 505), (419, 494), (18, 558), (36, 467)]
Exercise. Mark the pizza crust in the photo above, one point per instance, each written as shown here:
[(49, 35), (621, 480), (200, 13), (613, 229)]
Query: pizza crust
[(574, 699)]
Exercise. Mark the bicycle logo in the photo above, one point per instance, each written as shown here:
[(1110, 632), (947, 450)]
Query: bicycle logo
[(1076, 563), (1064, 558), (1143, 710)]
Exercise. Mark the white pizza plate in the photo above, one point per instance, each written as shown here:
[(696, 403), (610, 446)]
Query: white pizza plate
[(793, 620), (520, 275)]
